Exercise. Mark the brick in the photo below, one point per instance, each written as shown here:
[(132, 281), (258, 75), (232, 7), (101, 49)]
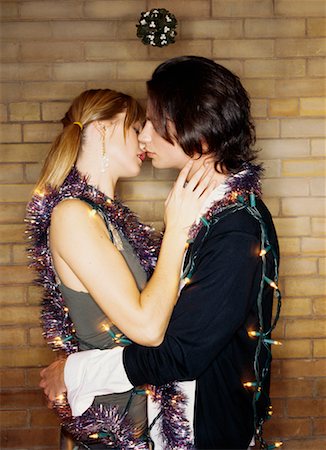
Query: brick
[(55, 90), (319, 426), (41, 132), (10, 295), (84, 71), (15, 274), (275, 68), (298, 266), (23, 152), (3, 113), (20, 399), (242, 8), (35, 336), (54, 10), (317, 187), (13, 419), (289, 246), (318, 226), (239, 48), (307, 407), (278, 407), (316, 27), (273, 204), (25, 30), (44, 418), (300, 88), (135, 88), (314, 245), (33, 377), (141, 70), (12, 212), (5, 254), (319, 350), (285, 186), (274, 28), (19, 254), (32, 172), (9, 51), (283, 107), (259, 108), (295, 286), (321, 387), (12, 378), (10, 133), (11, 173), (234, 65), (303, 206), (322, 266), (199, 47), (300, 47), (24, 111), (287, 427), (26, 357), (183, 9), (145, 190), (316, 68), (85, 30), (293, 348), (114, 50), (272, 167), (126, 30), (305, 328), (292, 388), (145, 210), (303, 368), (54, 111), (312, 106), (268, 128), (302, 168), (114, 9), (11, 92), (34, 295), (296, 307), (283, 148), (28, 72), (296, 226), (12, 233), (8, 10), (302, 8), (51, 51), (306, 444), (36, 438), (318, 147), (12, 337), (18, 315), (258, 88), (211, 29), (319, 306)]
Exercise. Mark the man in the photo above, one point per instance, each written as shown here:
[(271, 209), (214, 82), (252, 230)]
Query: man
[(198, 109)]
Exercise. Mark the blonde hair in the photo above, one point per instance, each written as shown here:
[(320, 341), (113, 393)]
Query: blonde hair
[(91, 105)]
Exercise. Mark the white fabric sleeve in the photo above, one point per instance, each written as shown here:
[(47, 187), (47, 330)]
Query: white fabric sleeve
[(91, 373)]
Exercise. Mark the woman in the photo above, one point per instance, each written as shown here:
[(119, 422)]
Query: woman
[(94, 257)]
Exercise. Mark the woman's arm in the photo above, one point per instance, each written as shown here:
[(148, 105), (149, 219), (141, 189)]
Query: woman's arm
[(81, 241)]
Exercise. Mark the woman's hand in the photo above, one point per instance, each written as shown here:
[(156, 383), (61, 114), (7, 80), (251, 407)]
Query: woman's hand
[(185, 201)]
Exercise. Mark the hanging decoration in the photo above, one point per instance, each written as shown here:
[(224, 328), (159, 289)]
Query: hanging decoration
[(157, 27)]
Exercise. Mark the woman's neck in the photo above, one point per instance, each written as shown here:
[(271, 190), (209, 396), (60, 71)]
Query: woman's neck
[(102, 180)]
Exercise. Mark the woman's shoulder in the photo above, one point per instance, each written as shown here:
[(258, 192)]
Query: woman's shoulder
[(71, 212)]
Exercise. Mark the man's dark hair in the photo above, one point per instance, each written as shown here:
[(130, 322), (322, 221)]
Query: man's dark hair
[(206, 104)]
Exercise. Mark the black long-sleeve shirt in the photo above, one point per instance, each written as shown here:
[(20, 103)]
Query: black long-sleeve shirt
[(207, 338)]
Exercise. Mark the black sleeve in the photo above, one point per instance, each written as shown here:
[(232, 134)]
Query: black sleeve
[(209, 311)]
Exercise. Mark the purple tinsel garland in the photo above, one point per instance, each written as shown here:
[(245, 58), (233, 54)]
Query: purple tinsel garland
[(113, 429)]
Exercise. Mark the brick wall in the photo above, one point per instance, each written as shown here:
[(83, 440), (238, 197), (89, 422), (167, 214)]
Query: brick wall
[(52, 50)]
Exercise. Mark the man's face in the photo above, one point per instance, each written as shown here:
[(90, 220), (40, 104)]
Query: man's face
[(163, 154)]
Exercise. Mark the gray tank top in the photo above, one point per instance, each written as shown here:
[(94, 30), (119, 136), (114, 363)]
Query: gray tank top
[(89, 322)]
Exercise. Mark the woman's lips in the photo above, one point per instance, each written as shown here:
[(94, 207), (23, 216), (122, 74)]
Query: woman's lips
[(142, 156)]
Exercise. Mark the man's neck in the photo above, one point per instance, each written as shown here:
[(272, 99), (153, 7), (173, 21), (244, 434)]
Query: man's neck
[(208, 161)]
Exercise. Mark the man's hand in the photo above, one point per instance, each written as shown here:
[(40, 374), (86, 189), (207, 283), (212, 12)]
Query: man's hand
[(52, 380)]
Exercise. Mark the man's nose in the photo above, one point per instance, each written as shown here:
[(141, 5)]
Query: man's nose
[(144, 136)]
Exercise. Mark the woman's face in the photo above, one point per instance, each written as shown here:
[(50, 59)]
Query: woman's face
[(124, 155)]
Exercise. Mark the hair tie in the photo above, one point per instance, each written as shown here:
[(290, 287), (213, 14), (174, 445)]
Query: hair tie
[(81, 126)]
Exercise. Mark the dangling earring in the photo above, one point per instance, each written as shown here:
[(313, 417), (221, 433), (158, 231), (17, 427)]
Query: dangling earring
[(105, 158)]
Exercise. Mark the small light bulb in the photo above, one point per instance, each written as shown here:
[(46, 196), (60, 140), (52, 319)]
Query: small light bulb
[(94, 436), (278, 444), (253, 333), (249, 384), (92, 212), (262, 252), (186, 280)]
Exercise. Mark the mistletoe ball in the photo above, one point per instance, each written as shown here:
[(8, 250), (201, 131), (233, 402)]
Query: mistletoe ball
[(157, 27)]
